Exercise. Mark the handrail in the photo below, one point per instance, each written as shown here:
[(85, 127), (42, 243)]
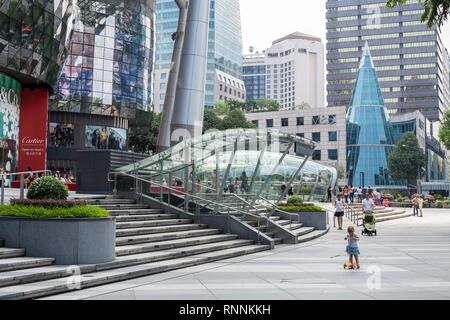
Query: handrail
[(185, 194), (176, 190), (21, 174)]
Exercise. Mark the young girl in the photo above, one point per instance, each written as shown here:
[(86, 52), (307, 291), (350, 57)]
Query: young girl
[(352, 246), (339, 205)]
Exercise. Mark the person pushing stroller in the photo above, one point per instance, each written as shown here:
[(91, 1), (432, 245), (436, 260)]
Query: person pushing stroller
[(368, 216)]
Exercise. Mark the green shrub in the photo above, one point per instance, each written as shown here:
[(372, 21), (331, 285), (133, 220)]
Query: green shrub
[(438, 197), (17, 210), (48, 188), (49, 203), (294, 199), (439, 204), (300, 208), (306, 190)]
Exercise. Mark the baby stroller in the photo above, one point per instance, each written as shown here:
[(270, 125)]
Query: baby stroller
[(369, 224)]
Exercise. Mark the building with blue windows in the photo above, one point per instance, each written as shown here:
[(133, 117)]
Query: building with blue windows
[(224, 46), (370, 136), (105, 84)]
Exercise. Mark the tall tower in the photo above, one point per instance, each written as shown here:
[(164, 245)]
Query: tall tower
[(369, 132), (408, 55)]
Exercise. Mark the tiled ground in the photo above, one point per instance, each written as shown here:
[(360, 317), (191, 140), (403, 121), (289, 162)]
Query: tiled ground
[(411, 257)]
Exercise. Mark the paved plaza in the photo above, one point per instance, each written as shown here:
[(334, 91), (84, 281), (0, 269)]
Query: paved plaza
[(409, 259)]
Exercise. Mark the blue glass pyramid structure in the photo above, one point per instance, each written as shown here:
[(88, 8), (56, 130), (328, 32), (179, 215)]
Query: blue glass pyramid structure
[(369, 132)]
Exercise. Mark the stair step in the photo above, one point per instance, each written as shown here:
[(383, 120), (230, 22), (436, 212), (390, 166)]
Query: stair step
[(278, 241), (161, 229), (312, 235), (123, 206), (38, 273), (165, 236), (10, 253), (151, 223), (50, 287), (283, 222), (141, 258), (393, 217), (303, 230), (294, 226), (111, 201), (274, 218), (146, 217), (251, 223), (134, 212), (171, 244), (23, 263)]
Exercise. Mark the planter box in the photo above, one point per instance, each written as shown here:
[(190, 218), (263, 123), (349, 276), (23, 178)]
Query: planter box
[(69, 241), (316, 219)]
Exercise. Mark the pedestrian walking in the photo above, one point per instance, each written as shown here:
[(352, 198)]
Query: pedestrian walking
[(329, 194), (346, 194), (415, 205), (420, 204), (352, 246), (352, 193), (339, 213)]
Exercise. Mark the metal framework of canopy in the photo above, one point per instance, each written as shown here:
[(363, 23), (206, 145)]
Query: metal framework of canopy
[(207, 165)]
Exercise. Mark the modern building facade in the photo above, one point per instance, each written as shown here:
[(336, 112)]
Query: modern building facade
[(34, 42), (228, 88), (291, 72), (105, 87), (325, 126), (224, 46), (370, 136), (411, 59)]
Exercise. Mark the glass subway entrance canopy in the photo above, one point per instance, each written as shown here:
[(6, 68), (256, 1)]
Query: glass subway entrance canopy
[(253, 163)]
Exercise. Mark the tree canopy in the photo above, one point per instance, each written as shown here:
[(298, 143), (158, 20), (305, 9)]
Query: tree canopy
[(444, 130), (435, 11), (407, 159)]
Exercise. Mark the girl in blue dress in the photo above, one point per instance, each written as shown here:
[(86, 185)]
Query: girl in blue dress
[(352, 246)]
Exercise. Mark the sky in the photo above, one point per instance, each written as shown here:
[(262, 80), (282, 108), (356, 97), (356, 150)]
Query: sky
[(266, 20)]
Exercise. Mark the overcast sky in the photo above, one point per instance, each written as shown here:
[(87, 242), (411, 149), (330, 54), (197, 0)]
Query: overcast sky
[(266, 20)]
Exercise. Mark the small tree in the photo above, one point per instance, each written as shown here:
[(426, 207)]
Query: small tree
[(407, 159), (221, 108), (435, 11), (444, 130)]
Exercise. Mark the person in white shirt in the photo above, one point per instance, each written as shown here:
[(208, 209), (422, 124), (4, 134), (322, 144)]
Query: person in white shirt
[(367, 204)]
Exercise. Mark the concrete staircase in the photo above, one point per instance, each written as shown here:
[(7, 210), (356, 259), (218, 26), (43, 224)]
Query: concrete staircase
[(387, 214), (148, 241), (303, 233)]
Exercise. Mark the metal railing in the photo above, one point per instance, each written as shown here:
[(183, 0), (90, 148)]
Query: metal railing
[(22, 181), (194, 198)]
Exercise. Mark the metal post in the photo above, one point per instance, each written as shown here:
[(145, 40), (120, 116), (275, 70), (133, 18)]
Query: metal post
[(266, 183), (169, 192), (291, 180), (227, 171), (3, 189), (161, 191), (258, 164), (21, 186)]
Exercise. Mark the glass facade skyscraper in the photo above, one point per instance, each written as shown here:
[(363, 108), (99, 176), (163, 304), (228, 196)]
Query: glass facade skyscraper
[(410, 58), (369, 133), (224, 45), (109, 68)]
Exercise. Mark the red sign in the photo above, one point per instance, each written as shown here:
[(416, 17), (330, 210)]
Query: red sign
[(33, 129)]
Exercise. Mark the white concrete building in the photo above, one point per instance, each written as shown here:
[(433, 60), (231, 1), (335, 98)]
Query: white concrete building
[(291, 72), (326, 126)]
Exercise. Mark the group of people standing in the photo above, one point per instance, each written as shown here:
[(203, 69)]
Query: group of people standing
[(349, 194)]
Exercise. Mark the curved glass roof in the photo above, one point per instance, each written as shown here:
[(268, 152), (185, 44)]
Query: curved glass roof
[(259, 157)]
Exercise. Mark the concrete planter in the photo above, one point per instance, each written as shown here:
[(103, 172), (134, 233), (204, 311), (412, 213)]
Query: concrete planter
[(69, 241), (316, 219)]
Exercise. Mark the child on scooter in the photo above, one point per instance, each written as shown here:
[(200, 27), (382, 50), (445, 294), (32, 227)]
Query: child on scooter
[(352, 246)]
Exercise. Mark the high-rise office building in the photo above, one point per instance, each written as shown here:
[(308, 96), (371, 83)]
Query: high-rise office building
[(410, 58), (224, 46), (291, 72)]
